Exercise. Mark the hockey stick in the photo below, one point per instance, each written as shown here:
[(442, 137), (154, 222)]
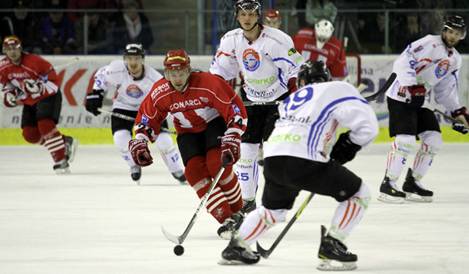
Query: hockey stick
[(266, 253), (130, 119), (252, 103), (383, 89), (180, 239)]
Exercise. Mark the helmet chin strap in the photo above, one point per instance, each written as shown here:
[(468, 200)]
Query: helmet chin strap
[(256, 24)]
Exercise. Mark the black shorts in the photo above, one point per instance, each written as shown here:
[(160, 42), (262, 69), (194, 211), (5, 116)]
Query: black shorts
[(48, 107), (193, 144), (121, 124), (405, 119), (285, 176), (261, 121)]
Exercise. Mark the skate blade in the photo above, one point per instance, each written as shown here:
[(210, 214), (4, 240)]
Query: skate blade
[(333, 265), (230, 262), (385, 198), (62, 171), (412, 197)]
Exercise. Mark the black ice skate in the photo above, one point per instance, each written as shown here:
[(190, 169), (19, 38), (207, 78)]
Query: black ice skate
[(179, 175), (230, 225), (61, 167), (333, 254), (71, 145), (248, 206), (414, 192), (238, 252), (389, 194), (136, 173)]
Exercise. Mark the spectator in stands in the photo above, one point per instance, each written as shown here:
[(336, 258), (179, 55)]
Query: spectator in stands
[(272, 18), (371, 33), (22, 24), (309, 12), (409, 31), (88, 5), (319, 44), (57, 32), (131, 26)]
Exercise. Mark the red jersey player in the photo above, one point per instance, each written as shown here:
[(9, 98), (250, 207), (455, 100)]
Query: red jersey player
[(209, 119), (29, 80), (320, 45)]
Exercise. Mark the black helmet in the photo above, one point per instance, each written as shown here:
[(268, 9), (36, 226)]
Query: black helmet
[(248, 5), (455, 22), (134, 49), (313, 72)]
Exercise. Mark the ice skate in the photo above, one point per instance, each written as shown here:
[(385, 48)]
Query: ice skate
[(71, 145), (414, 192), (230, 225), (389, 193), (238, 252), (333, 254), (136, 173), (248, 206), (62, 167), (179, 175)]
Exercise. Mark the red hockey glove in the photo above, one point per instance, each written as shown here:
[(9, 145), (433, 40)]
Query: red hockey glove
[(33, 86), (459, 114), (140, 153), (230, 151), (9, 99), (417, 90)]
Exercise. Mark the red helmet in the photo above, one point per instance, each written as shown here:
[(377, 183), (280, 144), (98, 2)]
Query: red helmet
[(272, 14), (176, 59), (12, 41)]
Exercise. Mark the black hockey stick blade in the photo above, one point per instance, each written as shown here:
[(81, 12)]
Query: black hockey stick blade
[(266, 253), (383, 89)]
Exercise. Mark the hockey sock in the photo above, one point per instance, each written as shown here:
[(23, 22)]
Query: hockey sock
[(53, 139), (258, 221), (121, 140), (397, 157), (31, 135), (349, 213), (228, 181), (431, 144), (169, 152), (200, 179), (248, 170)]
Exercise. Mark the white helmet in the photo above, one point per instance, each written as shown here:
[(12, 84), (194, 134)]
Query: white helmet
[(324, 30)]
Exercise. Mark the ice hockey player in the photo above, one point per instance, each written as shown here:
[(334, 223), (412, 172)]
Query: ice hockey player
[(31, 81), (430, 63), (302, 154), (319, 44), (209, 119), (268, 63), (132, 80)]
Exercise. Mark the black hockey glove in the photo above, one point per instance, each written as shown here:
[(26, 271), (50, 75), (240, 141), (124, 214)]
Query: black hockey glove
[(94, 100), (460, 126), (344, 149)]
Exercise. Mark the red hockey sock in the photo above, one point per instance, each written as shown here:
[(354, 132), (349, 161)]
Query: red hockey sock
[(53, 139), (31, 134), (228, 181), (199, 178)]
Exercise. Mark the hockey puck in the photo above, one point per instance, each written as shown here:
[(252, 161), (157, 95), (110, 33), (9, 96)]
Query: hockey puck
[(178, 250)]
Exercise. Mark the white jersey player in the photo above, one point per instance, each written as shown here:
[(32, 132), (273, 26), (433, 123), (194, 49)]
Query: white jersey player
[(131, 80), (428, 64), (302, 154), (268, 63)]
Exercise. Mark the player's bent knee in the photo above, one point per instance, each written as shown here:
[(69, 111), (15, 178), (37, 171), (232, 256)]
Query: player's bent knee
[(363, 196), (404, 144), (431, 141), (164, 142), (31, 135), (121, 139), (271, 216), (196, 170)]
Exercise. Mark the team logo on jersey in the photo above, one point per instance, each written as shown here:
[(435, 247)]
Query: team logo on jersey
[(251, 59), (134, 91), (442, 68), (291, 51), (204, 100)]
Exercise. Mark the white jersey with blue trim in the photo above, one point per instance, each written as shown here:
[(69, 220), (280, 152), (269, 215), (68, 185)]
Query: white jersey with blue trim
[(128, 92), (266, 64), (428, 62), (310, 117)]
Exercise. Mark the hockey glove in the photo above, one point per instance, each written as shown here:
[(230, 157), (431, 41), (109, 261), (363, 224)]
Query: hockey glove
[(33, 86), (140, 153), (417, 94), (9, 99), (461, 126), (230, 151), (344, 149), (94, 100)]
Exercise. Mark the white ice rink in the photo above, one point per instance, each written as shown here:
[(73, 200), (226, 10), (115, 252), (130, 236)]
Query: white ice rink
[(97, 221)]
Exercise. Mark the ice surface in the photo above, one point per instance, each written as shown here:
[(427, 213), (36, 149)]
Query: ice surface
[(96, 220)]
